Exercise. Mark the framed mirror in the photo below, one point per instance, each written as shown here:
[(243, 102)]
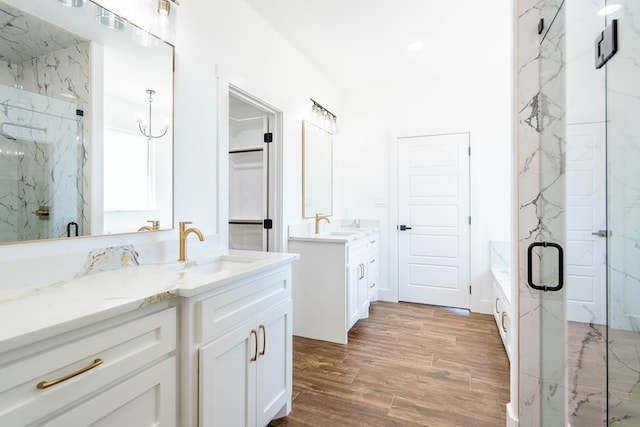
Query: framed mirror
[(86, 123), (317, 171)]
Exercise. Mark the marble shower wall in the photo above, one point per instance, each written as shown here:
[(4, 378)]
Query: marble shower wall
[(44, 168), (623, 192), (541, 194)]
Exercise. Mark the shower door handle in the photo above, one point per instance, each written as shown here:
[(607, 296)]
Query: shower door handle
[(530, 266)]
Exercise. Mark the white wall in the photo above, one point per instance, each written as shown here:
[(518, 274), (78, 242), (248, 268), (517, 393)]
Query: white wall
[(473, 99), (256, 59), (229, 35)]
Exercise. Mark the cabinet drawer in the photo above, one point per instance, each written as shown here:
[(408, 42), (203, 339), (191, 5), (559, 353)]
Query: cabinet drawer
[(228, 308), (356, 250), (123, 347), (146, 399)]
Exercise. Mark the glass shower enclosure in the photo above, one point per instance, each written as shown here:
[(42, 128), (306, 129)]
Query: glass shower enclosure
[(579, 213), (42, 167)]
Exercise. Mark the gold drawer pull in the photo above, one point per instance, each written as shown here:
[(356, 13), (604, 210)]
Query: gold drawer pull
[(264, 339), (504, 314), (255, 355), (497, 311), (46, 384)]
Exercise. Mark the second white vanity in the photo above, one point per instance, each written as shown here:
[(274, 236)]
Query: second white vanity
[(334, 281)]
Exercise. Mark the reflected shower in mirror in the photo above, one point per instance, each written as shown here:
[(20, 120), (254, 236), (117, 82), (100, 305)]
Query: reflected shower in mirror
[(73, 160), (317, 171)]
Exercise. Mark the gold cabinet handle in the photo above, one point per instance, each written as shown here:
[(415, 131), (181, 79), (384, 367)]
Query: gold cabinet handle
[(497, 299), (46, 384), (264, 339), (504, 314), (255, 355)]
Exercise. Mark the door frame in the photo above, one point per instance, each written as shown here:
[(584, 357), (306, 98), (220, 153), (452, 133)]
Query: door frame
[(392, 294), (224, 87)]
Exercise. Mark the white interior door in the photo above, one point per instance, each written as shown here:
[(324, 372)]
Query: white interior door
[(433, 205), (586, 222)]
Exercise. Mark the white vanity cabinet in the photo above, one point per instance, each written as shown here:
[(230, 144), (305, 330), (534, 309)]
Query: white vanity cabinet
[(357, 282), (332, 284), (502, 314), (125, 370), (372, 268), (237, 365)]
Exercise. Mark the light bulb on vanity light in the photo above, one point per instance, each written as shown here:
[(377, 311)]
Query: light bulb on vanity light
[(73, 3), (164, 7), (110, 19)]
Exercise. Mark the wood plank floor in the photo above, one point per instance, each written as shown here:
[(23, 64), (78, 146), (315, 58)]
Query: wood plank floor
[(407, 365)]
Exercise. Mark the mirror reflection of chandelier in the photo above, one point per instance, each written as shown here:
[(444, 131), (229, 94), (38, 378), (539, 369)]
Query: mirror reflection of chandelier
[(145, 127)]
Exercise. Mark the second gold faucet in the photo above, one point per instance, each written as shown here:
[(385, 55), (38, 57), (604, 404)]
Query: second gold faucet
[(184, 232), (320, 217)]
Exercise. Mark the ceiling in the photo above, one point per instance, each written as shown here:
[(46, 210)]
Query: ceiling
[(362, 42)]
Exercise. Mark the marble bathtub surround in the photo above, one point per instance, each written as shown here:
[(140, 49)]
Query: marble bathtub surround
[(111, 258)]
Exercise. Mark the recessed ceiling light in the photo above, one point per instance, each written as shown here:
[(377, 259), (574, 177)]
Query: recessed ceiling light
[(608, 10), (414, 46)]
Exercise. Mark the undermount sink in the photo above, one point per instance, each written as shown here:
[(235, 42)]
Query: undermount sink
[(216, 265)]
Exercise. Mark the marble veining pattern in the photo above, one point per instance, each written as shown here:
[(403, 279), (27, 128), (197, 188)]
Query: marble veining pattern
[(25, 37), (111, 258), (591, 347), (32, 314), (541, 149), (43, 142)]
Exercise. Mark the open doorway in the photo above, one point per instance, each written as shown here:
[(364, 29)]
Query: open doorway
[(253, 134)]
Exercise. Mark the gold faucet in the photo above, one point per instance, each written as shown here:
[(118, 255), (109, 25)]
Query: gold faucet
[(155, 226), (184, 232), (320, 217)]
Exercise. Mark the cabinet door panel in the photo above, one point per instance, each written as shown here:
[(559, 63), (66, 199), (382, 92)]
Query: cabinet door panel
[(146, 399), (274, 366), (352, 295), (227, 379)]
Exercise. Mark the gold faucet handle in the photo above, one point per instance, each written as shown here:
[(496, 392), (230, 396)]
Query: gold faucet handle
[(184, 223)]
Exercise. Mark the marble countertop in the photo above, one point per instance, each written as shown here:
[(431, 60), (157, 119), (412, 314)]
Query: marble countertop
[(30, 314), (334, 236)]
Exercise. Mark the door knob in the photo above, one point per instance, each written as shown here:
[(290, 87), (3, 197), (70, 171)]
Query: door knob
[(403, 227), (600, 233)]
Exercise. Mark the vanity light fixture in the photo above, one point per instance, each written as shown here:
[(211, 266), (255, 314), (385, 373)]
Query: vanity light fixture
[(73, 3), (323, 118), (164, 7), (110, 19), (145, 127)]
